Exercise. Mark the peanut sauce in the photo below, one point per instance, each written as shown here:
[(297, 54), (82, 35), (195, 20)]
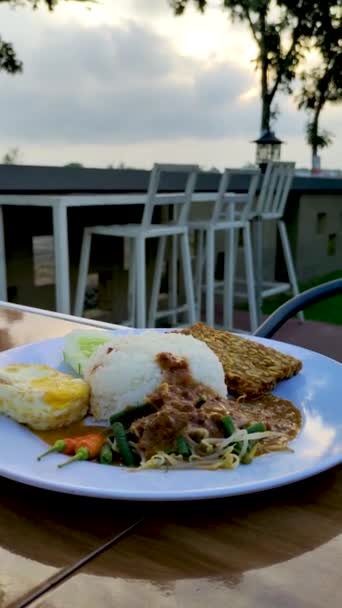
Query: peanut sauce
[(182, 404)]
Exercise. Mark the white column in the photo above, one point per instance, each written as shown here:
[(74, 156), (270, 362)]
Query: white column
[(61, 249), (3, 277)]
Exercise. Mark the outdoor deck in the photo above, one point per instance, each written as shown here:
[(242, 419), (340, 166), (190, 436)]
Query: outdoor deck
[(321, 337)]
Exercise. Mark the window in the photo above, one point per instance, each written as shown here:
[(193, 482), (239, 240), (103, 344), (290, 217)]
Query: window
[(43, 260), (331, 249), (321, 223)]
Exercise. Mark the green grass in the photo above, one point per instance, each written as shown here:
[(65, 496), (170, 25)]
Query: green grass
[(328, 311)]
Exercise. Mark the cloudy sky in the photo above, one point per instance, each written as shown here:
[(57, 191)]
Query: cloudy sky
[(128, 82)]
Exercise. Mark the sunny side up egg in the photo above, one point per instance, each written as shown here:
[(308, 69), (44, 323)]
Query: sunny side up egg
[(42, 397)]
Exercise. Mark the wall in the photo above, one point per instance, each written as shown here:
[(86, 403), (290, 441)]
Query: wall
[(309, 236), (319, 235)]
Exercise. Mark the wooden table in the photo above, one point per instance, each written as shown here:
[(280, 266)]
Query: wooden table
[(269, 550)]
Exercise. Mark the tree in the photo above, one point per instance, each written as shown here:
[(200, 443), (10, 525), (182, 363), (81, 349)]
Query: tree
[(323, 83), (281, 30), (11, 157), (8, 60)]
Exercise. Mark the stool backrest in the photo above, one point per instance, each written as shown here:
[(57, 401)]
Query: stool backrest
[(275, 189), (184, 195), (226, 186)]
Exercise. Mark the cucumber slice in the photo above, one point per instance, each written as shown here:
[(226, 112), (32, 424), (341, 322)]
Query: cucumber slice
[(79, 345)]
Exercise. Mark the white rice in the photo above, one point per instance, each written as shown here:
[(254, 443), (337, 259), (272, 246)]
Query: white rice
[(125, 376)]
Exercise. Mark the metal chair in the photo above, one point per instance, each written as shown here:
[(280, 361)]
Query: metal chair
[(326, 290), (138, 234), (229, 214)]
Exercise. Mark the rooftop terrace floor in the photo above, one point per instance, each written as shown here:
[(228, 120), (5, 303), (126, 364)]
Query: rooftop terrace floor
[(320, 337)]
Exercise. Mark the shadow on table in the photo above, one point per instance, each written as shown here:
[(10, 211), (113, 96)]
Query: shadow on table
[(218, 540), (226, 538)]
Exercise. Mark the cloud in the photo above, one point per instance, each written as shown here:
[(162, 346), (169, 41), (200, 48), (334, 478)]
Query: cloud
[(124, 90), (149, 8), (122, 84)]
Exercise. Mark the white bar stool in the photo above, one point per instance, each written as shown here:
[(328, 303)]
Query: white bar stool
[(226, 217), (270, 205), (138, 233)]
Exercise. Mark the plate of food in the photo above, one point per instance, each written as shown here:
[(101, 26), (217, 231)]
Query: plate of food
[(183, 414)]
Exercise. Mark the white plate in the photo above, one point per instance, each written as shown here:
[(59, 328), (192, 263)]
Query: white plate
[(316, 391)]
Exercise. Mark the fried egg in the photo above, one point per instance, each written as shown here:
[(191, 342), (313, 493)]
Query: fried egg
[(42, 397)]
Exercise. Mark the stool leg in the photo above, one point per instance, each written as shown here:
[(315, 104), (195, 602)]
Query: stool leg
[(257, 224), (140, 281), (173, 287), (131, 284), (210, 278), (82, 273), (199, 271), (188, 280), (246, 231), (157, 281), (228, 281), (289, 262)]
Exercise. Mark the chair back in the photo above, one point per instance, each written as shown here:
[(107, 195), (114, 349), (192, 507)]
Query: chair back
[(275, 189), (225, 200), (184, 195)]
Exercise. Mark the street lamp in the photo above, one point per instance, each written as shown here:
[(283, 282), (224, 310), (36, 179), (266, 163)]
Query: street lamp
[(268, 148)]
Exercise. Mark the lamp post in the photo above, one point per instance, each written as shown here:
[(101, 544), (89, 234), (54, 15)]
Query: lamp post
[(268, 148)]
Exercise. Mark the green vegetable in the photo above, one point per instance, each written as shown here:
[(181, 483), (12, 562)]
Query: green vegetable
[(81, 454), (106, 454), (182, 447), (58, 446), (229, 429), (250, 454), (123, 445), (126, 417), (229, 426), (257, 427), (79, 345)]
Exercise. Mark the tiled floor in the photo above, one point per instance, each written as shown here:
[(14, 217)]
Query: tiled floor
[(314, 335), (320, 337)]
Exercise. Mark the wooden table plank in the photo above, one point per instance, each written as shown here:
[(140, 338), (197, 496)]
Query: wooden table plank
[(280, 548), (42, 533), (18, 328)]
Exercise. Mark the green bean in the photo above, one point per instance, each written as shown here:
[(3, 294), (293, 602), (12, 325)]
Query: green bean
[(126, 417), (106, 454), (182, 447), (257, 427), (123, 445), (229, 429), (250, 454), (228, 425), (237, 448)]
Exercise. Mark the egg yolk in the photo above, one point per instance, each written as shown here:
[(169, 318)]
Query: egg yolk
[(58, 392)]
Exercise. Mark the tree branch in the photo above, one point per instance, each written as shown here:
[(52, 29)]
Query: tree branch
[(286, 60), (251, 24)]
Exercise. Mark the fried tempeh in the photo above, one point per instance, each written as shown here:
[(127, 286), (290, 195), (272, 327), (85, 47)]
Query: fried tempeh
[(250, 368)]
